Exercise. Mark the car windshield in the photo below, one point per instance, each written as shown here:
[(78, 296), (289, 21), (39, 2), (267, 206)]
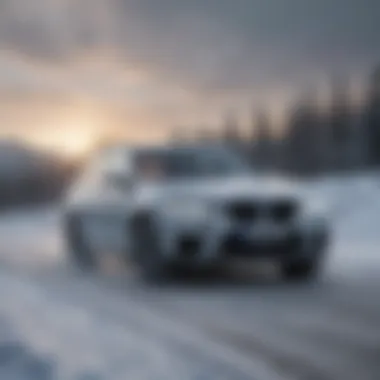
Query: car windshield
[(185, 163)]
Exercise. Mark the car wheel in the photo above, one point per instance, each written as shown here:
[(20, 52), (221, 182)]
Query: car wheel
[(146, 251), (301, 270), (77, 249)]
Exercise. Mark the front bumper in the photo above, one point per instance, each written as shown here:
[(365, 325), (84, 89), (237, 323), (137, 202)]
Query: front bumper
[(218, 240)]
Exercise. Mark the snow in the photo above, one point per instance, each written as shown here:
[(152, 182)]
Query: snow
[(355, 201)]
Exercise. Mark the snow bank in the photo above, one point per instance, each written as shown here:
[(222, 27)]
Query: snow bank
[(355, 202)]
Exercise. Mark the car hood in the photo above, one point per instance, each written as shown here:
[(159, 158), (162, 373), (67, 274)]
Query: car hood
[(223, 189)]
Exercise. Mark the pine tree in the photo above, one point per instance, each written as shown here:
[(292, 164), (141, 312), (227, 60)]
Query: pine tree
[(302, 139), (263, 140), (205, 135), (178, 135), (231, 134), (372, 119), (340, 123)]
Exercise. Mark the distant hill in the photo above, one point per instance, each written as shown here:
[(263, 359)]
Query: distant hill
[(29, 175)]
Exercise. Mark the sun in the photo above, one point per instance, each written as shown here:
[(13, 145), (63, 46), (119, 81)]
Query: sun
[(75, 144), (72, 143)]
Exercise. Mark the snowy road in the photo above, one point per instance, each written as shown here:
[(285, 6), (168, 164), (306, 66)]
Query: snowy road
[(115, 327)]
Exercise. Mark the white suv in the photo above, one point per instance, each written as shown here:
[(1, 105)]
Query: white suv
[(191, 207)]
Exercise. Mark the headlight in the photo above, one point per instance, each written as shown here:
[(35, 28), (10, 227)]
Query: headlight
[(187, 211)]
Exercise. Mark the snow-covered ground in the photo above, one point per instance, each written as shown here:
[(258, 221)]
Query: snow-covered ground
[(355, 204), (111, 328), (355, 201)]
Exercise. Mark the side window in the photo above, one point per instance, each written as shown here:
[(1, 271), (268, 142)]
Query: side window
[(116, 167), (115, 162)]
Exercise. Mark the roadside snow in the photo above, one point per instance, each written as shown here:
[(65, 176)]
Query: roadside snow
[(86, 349), (355, 203)]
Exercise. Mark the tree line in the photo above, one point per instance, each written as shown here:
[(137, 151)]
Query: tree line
[(339, 136)]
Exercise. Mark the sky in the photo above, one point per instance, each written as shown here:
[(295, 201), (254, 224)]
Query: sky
[(73, 71)]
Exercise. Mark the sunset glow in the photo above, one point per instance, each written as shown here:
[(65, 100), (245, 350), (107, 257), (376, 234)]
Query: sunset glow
[(114, 67), (72, 140)]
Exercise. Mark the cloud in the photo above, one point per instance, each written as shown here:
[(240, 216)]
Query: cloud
[(228, 44), (173, 61), (218, 44)]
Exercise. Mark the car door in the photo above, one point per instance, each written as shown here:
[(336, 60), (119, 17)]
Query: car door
[(106, 225)]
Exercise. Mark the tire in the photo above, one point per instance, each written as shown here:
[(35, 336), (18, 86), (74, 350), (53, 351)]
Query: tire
[(301, 271), (146, 251), (79, 253)]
